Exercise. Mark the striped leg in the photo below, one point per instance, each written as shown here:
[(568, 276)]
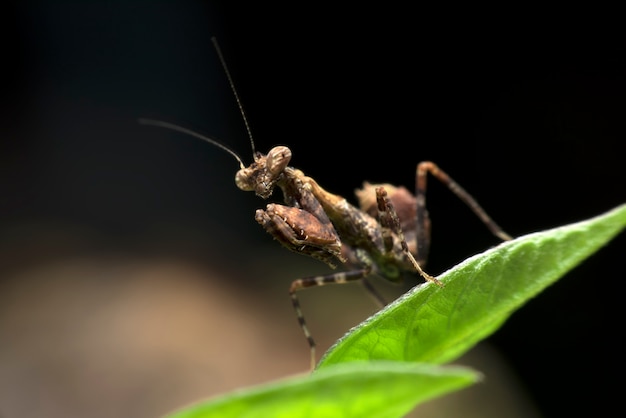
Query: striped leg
[(338, 278), (423, 222), (390, 222)]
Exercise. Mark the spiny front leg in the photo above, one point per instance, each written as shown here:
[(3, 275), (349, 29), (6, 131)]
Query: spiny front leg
[(301, 232), (423, 223), (338, 278), (390, 222)]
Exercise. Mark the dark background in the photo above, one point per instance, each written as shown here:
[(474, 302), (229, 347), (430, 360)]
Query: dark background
[(528, 117)]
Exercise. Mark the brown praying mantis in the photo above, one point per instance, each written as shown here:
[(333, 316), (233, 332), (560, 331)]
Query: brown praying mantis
[(387, 235)]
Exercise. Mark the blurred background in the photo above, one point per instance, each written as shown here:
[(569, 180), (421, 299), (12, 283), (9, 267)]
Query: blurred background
[(133, 277)]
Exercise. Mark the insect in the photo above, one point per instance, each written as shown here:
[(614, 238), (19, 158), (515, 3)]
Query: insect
[(387, 235)]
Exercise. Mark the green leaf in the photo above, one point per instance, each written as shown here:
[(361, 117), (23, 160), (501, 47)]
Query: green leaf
[(374, 389), (434, 325), (427, 325)]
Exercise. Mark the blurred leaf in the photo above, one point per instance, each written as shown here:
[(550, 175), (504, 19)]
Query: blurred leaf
[(373, 389)]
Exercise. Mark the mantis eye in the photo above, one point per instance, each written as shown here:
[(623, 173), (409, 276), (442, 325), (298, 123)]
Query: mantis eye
[(243, 179), (277, 159)]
